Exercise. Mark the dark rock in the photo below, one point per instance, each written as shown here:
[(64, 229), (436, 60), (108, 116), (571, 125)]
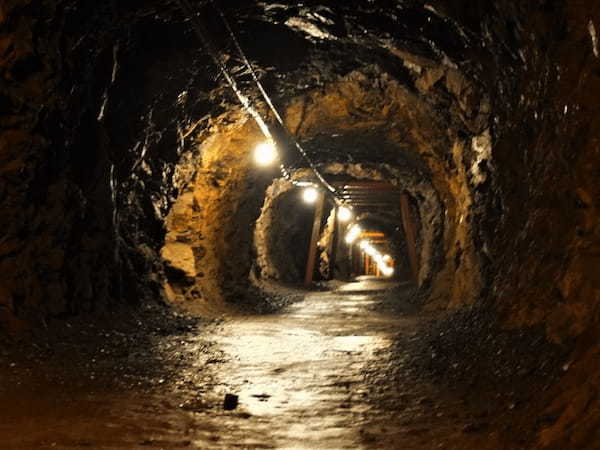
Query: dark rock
[(475, 427), (230, 402)]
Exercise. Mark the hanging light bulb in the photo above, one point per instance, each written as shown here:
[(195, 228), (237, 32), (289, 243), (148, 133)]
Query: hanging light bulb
[(353, 234), (387, 270), (344, 214), (310, 194), (265, 153)]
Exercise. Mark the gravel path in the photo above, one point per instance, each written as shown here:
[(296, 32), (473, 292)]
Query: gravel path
[(334, 371)]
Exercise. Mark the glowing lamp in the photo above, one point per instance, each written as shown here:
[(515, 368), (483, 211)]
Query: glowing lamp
[(344, 214), (371, 251), (353, 234), (310, 194), (387, 271), (265, 154)]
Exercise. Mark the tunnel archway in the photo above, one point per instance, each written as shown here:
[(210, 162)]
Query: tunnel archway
[(388, 237), (321, 117), (282, 234)]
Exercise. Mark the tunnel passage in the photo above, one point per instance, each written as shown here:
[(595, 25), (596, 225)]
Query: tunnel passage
[(283, 234), (228, 153), (386, 234), (126, 174), (389, 240)]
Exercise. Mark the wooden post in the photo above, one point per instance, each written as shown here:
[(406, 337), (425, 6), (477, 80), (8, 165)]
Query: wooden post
[(411, 236), (351, 262), (334, 244), (314, 239), (354, 260)]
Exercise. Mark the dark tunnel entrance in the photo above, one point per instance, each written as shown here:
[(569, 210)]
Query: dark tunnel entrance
[(283, 234), (296, 240)]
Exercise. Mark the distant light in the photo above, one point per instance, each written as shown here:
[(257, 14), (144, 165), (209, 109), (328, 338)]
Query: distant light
[(310, 194), (344, 214), (371, 251), (365, 246), (353, 234), (387, 270), (380, 259), (265, 154)]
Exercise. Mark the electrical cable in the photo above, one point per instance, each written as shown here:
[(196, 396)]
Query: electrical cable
[(244, 100), (267, 99)]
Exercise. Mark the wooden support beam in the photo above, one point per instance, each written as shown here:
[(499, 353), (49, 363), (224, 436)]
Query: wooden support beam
[(370, 194), (371, 234), (335, 242), (411, 236), (365, 184), (314, 239), (374, 205)]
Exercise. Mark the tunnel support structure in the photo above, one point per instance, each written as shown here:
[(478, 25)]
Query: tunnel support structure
[(334, 244), (314, 239), (411, 236)]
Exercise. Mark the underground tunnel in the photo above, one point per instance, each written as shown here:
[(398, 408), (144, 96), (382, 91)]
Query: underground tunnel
[(243, 224)]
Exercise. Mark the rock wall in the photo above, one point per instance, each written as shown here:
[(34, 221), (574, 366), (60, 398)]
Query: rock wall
[(93, 145), (57, 223), (541, 230), (209, 239)]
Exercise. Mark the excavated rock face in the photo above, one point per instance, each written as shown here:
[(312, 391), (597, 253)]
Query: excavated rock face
[(124, 157)]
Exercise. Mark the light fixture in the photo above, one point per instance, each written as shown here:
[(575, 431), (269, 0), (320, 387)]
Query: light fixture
[(353, 234), (381, 260), (310, 194), (387, 270), (265, 153), (344, 214)]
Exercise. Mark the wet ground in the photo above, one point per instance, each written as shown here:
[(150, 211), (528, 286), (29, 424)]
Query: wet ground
[(339, 370)]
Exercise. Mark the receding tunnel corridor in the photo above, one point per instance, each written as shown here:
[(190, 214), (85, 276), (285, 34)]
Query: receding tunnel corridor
[(360, 224)]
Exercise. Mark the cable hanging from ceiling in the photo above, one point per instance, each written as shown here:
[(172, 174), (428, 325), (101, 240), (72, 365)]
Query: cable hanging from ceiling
[(245, 101), (268, 99)]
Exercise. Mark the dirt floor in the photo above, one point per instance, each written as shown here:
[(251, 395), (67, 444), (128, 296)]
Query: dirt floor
[(358, 367)]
